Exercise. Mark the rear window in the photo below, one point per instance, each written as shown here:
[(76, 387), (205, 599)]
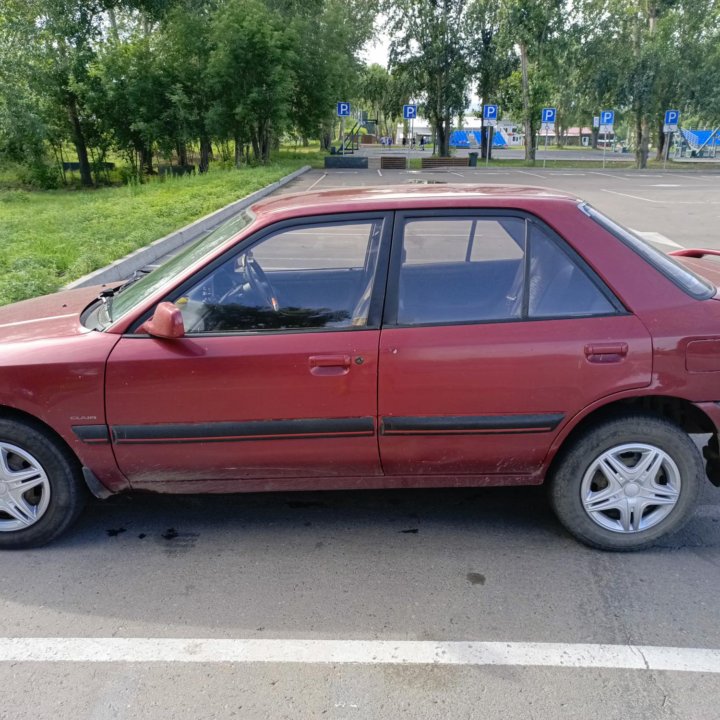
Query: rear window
[(685, 279)]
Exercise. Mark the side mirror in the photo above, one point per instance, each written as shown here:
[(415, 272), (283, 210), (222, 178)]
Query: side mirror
[(167, 322)]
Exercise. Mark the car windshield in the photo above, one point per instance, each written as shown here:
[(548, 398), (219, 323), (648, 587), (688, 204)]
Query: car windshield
[(135, 291), (684, 278)]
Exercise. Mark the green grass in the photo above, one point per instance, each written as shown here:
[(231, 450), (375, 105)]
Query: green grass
[(49, 238)]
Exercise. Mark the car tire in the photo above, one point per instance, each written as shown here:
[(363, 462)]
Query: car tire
[(41, 486), (626, 482)]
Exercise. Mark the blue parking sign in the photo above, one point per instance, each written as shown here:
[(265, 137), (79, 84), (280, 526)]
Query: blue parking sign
[(409, 112), (672, 117), (548, 115), (490, 112), (343, 109), (607, 117)]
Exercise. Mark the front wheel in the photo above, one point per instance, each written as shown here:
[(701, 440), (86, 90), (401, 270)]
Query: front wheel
[(627, 482), (41, 491)]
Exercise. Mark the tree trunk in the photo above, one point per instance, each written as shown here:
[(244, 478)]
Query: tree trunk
[(182, 154), (149, 161), (79, 142), (205, 150), (238, 150), (641, 149), (527, 119), (661, 141), (442, 139), (594, 138)]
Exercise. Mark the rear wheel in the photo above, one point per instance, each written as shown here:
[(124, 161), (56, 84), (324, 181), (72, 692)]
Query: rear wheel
[(627, 482), (41, 490)]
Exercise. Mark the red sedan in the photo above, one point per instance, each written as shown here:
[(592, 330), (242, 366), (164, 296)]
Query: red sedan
[(437, 336)]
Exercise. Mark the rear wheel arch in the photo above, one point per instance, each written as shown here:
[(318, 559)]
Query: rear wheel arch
[(683, 413)]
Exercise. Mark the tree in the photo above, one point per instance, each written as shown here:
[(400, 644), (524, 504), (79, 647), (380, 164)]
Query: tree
[(531, 26), (492, 60), (57, 39), (430, 45), (251, 69)]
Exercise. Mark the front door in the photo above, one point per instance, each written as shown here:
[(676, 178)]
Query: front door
[(496, 333), (276, 376)]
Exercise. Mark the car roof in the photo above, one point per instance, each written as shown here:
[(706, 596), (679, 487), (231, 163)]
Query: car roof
[(419, 196)]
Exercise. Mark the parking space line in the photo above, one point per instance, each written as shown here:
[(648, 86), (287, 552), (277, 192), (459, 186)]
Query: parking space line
[(526, 172), (319, 180), (699, 178), (634, 197), (612, 175), (663, 202), (367, 652), (379, 173)]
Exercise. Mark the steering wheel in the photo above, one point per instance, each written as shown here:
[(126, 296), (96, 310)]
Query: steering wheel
[(257, 279)]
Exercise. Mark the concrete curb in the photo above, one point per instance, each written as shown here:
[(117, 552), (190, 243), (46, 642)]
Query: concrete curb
[(126, 266)]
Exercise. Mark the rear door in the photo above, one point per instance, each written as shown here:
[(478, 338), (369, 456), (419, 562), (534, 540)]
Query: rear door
[(495, 334)]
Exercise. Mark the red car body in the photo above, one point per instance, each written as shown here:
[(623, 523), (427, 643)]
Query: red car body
[(436, 405)]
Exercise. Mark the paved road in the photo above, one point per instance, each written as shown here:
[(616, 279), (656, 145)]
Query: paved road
[(462, 566), (682, 207)]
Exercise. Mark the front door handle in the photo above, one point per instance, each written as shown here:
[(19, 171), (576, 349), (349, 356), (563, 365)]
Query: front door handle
[(324, 365), (606, 352)]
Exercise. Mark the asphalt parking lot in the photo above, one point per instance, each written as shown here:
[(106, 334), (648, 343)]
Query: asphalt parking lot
[(375, 580)]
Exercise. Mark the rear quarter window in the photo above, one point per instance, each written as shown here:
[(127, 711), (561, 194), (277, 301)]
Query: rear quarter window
[(692, 284)]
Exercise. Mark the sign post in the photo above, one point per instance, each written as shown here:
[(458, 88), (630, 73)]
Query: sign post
[(607, 120), (547, 118), (343, 111), (490, 118), (409, 114), (672, 119)]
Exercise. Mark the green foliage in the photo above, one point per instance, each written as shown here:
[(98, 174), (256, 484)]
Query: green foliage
[(149, 78), (48, 239), (431, 48)]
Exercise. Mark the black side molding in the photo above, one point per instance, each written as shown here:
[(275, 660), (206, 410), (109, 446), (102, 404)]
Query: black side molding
[(94, 434), (470, 424), (238, 431)]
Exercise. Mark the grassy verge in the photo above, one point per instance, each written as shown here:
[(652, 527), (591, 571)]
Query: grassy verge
[(49, 238)]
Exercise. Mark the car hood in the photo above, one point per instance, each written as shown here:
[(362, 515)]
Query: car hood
[(50, 316)]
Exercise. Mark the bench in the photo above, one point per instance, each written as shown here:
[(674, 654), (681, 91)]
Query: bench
[(428, 163), (393, 162)]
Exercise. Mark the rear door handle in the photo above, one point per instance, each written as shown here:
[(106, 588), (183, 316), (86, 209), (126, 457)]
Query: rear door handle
[(606, 352), (330, 364)]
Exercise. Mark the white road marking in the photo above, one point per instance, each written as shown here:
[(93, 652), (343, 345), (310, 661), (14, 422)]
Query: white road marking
[(612, 175), (319, 180), (665, 185), (657, 238), (379, 173), (456, 173), (369, 652), (663, 202), (526, 172), (634, 197)]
